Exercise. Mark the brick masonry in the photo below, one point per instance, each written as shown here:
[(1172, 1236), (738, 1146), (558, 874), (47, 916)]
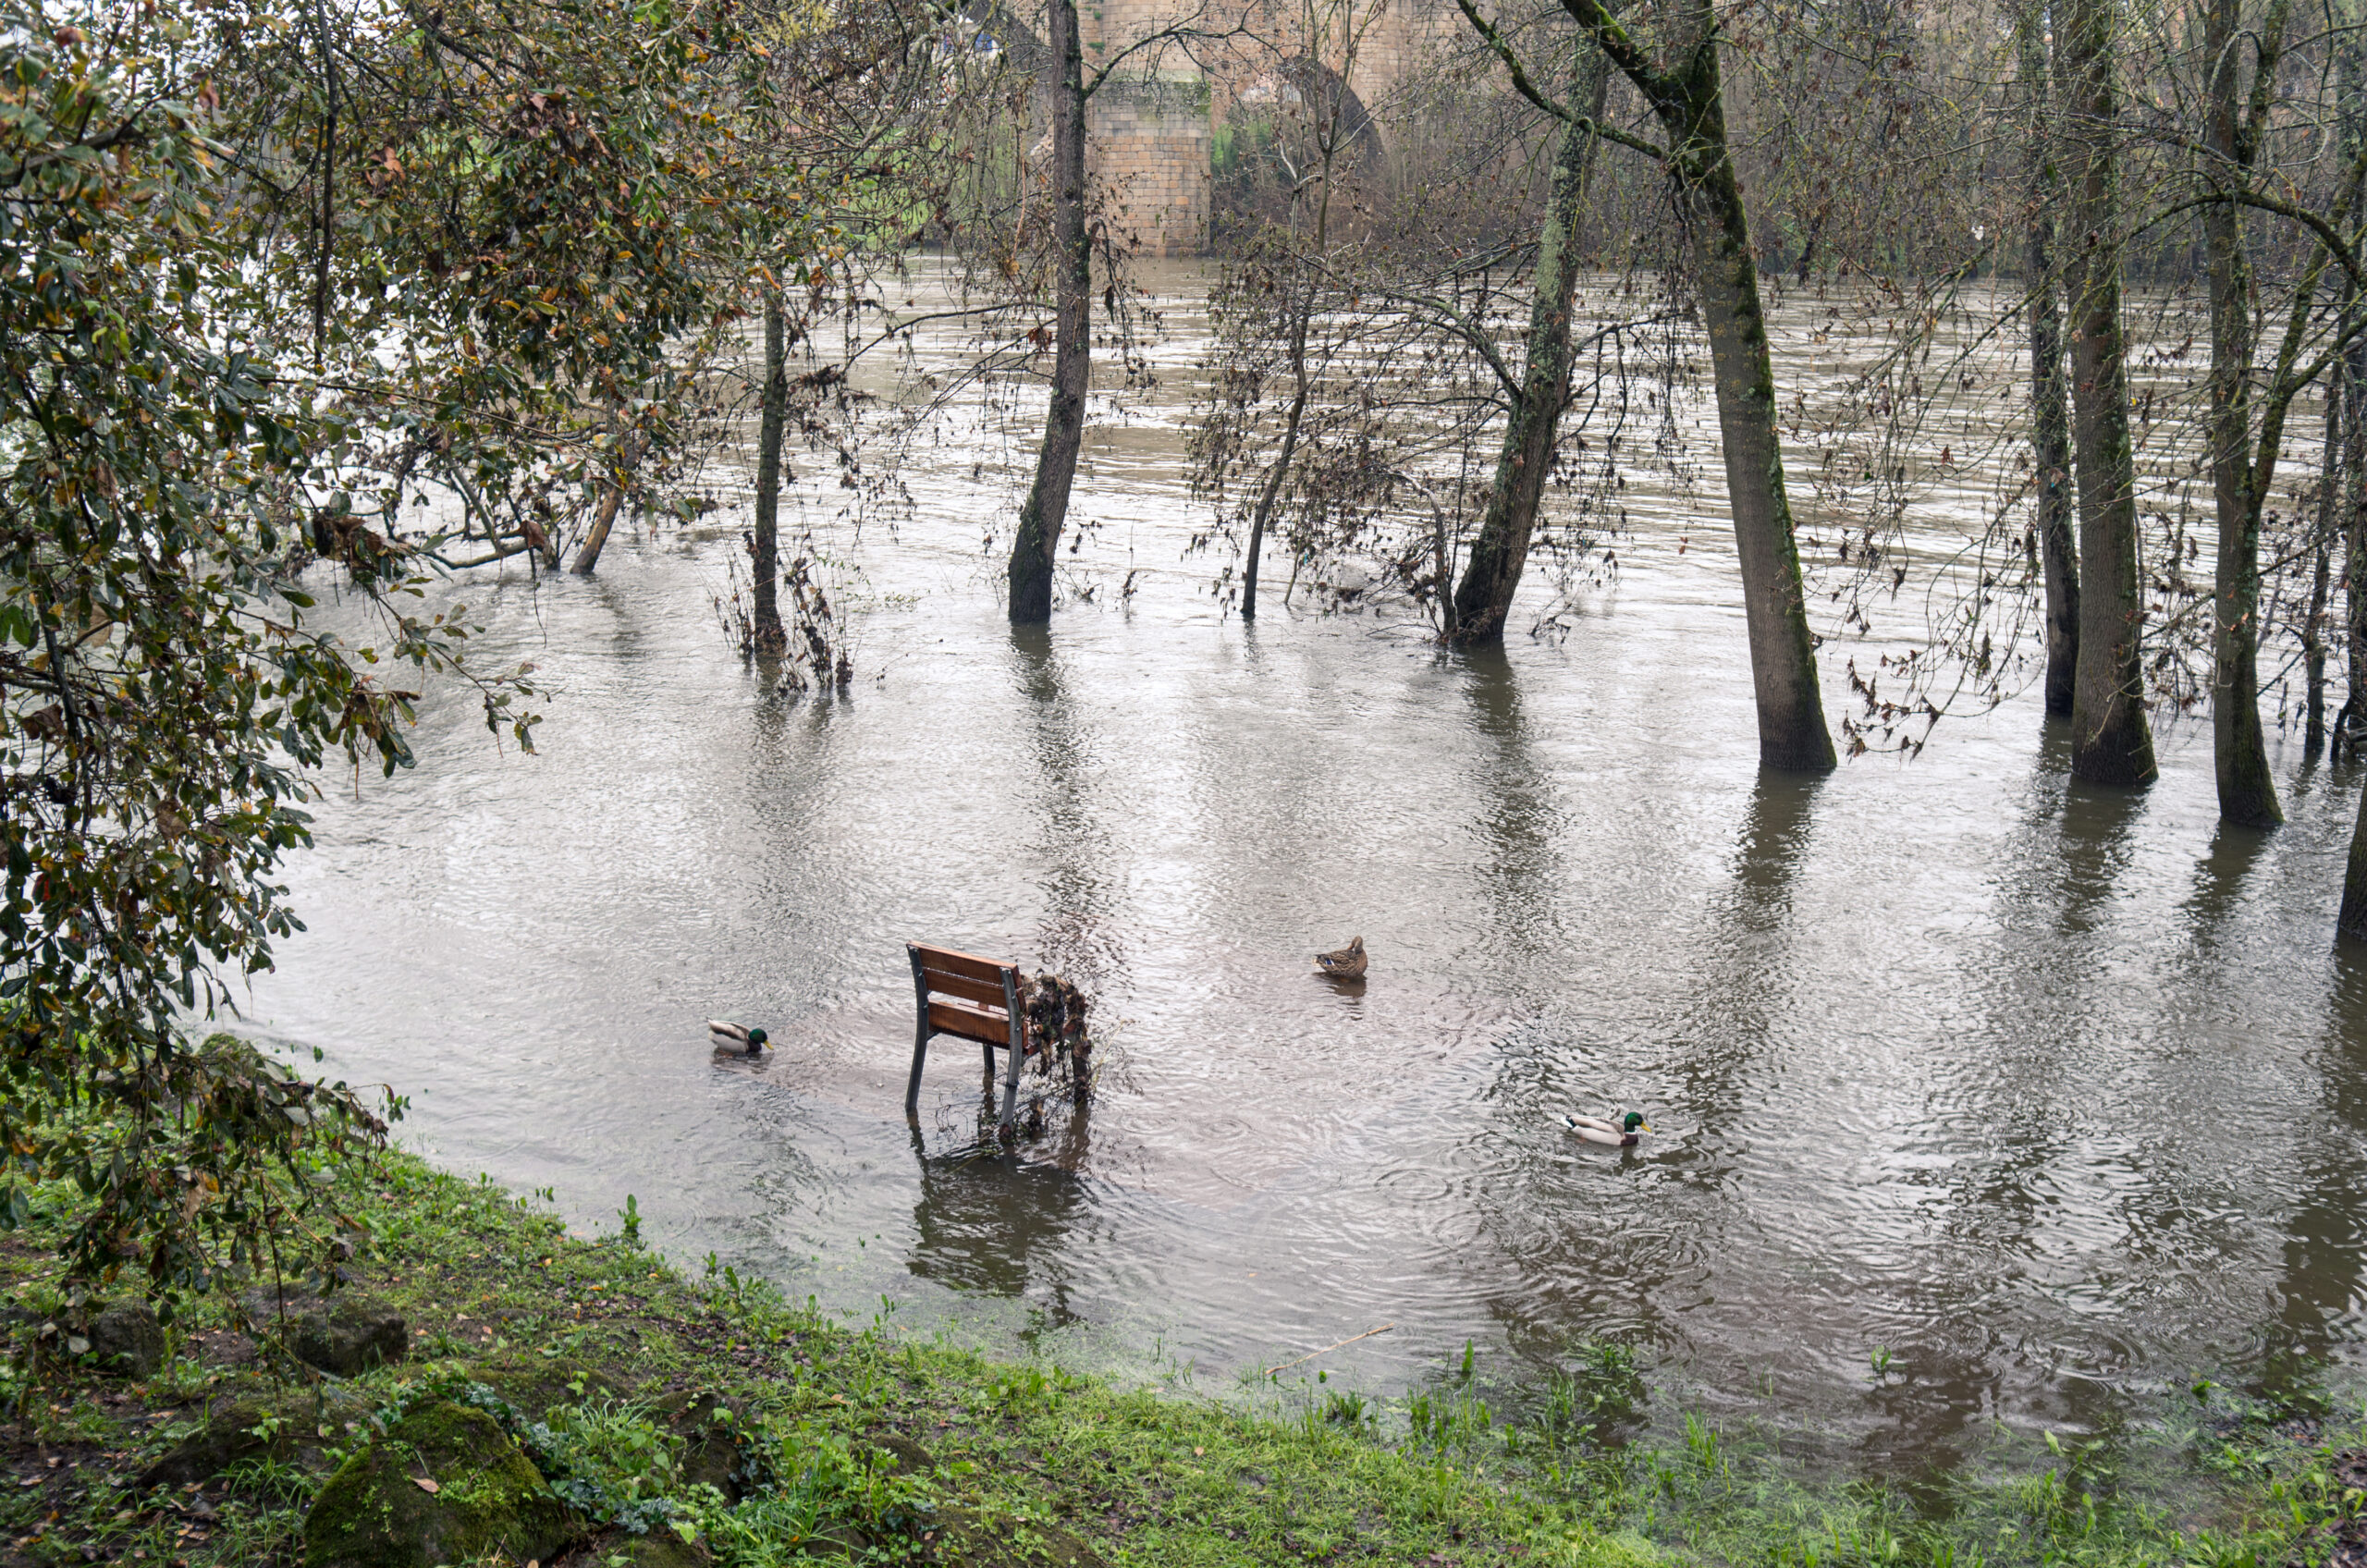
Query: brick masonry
[(1151, 131)]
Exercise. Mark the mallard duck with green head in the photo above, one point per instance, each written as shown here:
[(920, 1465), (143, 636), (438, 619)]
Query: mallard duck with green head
[(1621, 1134), (736, 1038)]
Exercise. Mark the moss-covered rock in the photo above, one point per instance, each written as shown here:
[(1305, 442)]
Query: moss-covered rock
[(127, 1340), (444, 1485), (712, 1432), (292, 1427), (909, 1457), (661, 1548), (535, 1383), (975, 1540), (350, 1337)]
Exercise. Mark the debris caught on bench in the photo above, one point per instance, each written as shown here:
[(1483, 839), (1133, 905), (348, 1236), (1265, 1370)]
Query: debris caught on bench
[(1057, 1027)]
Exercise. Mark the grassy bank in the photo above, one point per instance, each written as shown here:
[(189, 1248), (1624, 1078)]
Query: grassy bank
[(653, 1399)]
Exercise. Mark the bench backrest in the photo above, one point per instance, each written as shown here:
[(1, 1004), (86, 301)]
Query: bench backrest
[(967, 996)]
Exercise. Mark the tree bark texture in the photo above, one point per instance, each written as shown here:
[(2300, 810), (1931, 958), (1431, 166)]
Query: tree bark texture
[(2313, 626), (1688, 100), (595, 538), (2238, 750), (2351, 924), (2111, 743), (764, 626), (2350, 117), (1491, 573), (2050, 412), (1034, 548), (1301, 319), (2352, 505), (1271, 491)]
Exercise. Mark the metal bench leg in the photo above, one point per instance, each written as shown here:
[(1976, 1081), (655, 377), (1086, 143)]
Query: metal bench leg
[(913, 1084), (1017, 1013), (920, 1039)]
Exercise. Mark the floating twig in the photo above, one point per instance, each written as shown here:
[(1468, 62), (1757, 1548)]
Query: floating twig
[(1326, 1350)]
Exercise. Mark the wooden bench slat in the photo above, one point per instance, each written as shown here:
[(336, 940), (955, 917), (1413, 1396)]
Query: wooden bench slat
[(970, 1022), (944, 984), (945, 961)]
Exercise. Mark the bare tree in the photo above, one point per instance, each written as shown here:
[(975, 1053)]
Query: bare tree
[(1688, 96), (2111, 741), (1491, 573)]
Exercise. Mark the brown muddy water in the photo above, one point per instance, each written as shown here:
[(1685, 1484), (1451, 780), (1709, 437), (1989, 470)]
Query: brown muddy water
[(2059, 1096)]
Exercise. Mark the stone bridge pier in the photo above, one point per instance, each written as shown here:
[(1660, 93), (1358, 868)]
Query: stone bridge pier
[(1151, 134)]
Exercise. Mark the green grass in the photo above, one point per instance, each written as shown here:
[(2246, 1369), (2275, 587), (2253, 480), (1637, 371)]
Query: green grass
[(576, 1344)]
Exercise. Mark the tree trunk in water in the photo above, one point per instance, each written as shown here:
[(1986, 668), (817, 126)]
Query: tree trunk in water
[(2314, 633), (2239, 752), (596, 539), (1492, 574), (1034, 550), (2353, 514), (1300, 319), (764, 619), (2350, 115), (2111, 743), (2351, 924), (1273, 489), (587, 554), (2049, 415), (1690, 101), (1782, 652)]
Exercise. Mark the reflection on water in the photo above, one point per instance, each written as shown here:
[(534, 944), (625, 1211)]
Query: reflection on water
[(987, 1222), (2054, 1094)]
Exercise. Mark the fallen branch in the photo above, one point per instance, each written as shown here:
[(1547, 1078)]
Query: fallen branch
[(1326, 1350)]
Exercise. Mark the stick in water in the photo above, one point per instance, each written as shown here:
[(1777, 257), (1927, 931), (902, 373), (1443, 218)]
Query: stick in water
[(1326, 1350)]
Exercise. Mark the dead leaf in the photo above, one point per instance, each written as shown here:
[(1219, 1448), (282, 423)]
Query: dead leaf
[(426, 1485)]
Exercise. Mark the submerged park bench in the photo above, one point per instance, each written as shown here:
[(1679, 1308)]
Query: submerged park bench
[(974, 998)]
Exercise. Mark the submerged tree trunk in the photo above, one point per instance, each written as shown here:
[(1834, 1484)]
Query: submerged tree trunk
[(2313, 625), (2240, 750), (2352, 922), (2050, 413), (2351, 118), (2352, 508), (595, 538), (1492, 574), (1033, 549), (764, 626), (2111, 743), (1273, 486), (1690, 101), (1301, 318)]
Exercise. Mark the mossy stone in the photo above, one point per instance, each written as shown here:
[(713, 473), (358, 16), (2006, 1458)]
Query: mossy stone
[(962, 1536), (239, 1426), (660, 1548), (348, 1338), (489, 1499), (535, 1383), (127, 1340), (711, 1430)]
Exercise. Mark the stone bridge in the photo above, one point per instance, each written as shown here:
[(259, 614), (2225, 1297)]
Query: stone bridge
[(1150, 135)]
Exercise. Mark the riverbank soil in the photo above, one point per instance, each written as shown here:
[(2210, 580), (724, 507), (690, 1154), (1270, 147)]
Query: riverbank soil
[(508, 1393)]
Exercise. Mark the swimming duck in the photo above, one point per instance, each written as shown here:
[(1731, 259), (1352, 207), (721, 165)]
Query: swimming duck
[(1345, 963), (1595, 1130), (736, 1036)]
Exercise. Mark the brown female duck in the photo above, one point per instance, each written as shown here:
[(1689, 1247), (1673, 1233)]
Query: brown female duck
[(1345, 963)]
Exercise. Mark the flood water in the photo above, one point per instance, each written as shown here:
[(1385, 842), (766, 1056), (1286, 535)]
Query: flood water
[(2059, 1095)]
